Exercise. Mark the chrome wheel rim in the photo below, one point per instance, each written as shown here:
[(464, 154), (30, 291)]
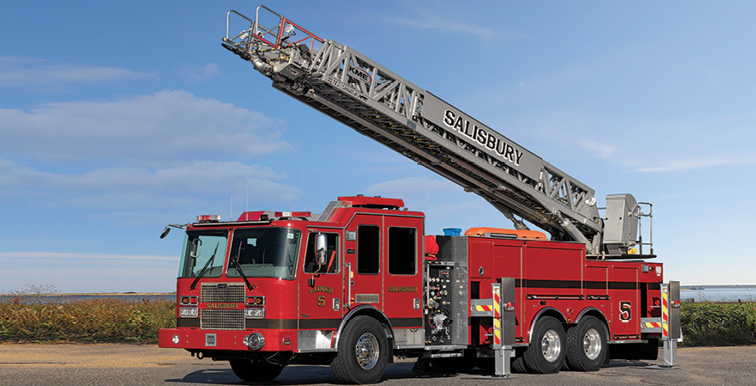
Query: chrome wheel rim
[(367, 351), (551, 346), (592, 344)]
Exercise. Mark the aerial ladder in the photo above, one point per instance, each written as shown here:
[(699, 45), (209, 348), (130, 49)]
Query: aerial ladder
[(360, 93)]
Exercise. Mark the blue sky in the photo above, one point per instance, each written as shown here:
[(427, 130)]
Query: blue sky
[(119, 118)]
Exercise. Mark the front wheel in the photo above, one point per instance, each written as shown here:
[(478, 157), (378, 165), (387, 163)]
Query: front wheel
[(255, 370), (545, 354), (363, 352), (586, 345)]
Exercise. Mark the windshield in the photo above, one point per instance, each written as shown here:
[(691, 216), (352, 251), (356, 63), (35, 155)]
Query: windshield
[(199, 247), (265, 252)]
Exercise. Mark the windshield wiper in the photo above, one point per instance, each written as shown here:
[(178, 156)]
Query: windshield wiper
[(202, 271), (238, 268)]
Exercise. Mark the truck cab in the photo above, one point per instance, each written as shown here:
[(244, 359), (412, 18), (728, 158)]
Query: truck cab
[(273, 288)]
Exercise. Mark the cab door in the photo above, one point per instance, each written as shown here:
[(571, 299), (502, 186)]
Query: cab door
[(320, 292), (363, 284), (403, 271)]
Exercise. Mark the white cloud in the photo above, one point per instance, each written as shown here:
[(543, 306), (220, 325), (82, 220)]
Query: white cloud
[(148, 276), (436, 23), (35, 73), (140, 153), (449, 19), (604, 150), (200, 74), (417, 187), (68, 256), (177, 185), (693, 164), (165, 125)]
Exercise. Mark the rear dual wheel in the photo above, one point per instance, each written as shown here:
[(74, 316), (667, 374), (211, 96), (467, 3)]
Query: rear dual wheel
[(586, 345), (546, 352)]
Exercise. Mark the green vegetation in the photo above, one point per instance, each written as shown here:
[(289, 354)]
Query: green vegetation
[(86, 321), (718, 324)]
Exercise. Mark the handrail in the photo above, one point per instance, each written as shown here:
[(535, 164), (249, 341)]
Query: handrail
[(228, 16), (650, 216), (259, 31)]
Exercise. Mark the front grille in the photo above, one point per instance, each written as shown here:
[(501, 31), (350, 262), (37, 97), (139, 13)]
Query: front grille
[(211, 319), (222, 320), (227, 293)]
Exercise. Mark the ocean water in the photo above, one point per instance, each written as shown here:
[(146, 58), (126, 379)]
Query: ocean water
[(719, 294), (68, 298)]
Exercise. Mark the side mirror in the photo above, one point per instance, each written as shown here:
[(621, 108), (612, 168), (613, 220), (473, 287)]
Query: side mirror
[(166, 231), (321, 249)]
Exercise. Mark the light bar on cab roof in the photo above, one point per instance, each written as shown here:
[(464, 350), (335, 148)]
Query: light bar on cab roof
[(293, 214), (209, 218)]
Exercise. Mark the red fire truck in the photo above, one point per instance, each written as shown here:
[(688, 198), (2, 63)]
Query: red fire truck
[(360, 282)]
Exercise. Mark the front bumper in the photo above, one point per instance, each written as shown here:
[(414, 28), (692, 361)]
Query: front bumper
[(196, 339)]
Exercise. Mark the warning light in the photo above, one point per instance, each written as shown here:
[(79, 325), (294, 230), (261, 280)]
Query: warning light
[(293, 214), (256, 300), (209, 218), (509, 306)]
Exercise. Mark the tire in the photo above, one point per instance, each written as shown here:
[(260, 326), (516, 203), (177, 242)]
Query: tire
[(650, 350), (518, 364), (586, 345), (255, 370), (363, 352), (546, 353)]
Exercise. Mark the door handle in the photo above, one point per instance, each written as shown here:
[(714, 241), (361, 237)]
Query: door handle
[(349, 285)]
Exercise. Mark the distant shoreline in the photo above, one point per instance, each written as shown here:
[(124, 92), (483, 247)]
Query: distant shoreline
[(112, 294), (717, 286)]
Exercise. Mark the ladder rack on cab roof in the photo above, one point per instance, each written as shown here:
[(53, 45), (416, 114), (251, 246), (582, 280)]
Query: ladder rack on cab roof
[(357, 91)]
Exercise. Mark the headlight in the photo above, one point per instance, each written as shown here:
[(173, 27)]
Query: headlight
[(255, 341), (188, 312), (254, 313)]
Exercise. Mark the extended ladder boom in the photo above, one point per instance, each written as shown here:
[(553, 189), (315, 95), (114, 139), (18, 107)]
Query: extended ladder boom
[(353, 89)]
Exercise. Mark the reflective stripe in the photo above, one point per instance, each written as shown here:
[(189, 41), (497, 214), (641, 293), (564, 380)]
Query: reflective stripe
[(497, 315), (665, 311)]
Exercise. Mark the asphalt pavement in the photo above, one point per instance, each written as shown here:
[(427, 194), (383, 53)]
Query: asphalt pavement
[(124, 364)]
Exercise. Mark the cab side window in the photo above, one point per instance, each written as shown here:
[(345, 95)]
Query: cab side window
[(402, 250), (368, 249), (332, 255)]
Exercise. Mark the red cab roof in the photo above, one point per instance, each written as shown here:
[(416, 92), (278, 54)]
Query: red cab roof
[(373, 202)]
